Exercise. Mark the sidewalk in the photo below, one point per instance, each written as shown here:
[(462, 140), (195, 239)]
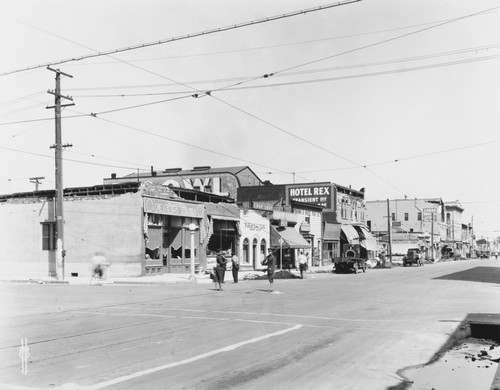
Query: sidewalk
[(183, 278)]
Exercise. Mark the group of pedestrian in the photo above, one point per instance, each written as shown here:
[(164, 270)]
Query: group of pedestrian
[(220, 269)]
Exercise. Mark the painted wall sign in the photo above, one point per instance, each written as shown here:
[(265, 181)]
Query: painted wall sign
[(205, 184), (320, 195), (255, 227), (167, 207)]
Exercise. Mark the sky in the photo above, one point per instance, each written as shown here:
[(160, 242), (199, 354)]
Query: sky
[(397, 97)]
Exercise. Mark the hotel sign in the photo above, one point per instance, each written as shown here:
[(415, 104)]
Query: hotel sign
[(168, 207), (320, 195)]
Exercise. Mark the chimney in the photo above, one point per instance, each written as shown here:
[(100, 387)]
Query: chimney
[(113, 175)]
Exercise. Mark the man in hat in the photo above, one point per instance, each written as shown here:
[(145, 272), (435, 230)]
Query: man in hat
[(270, 261)]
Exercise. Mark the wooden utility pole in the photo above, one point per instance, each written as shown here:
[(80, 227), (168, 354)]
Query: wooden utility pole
[(58, 146), (36, 181), (389, 247)]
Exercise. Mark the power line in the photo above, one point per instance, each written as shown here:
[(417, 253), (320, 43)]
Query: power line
[(187, 36), (187, 144), (305, 141), (408, 158), (389, 39), (309, 81), (284, 74), (277, 45)]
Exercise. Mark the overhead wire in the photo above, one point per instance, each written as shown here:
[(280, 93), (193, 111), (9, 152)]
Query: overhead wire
[(276, 45), (285, 74), (269, 75), (363, 47), (187, 36)]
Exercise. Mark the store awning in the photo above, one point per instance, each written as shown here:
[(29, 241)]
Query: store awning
[(350, 233), (223, 211), (367, 240), (290, 238), (332, 232)]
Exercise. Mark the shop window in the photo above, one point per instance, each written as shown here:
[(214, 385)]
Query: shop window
[(246, 249), (254, 250), (263, 248), (393, 217), (49, 236), (419, 216)]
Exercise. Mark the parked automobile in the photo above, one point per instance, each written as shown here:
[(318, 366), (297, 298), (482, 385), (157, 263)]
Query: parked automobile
[(413, 256)]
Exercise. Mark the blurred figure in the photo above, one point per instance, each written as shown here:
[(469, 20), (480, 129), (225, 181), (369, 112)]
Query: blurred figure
[(302, 264), (100, 267), (235, 267), (270, 261)]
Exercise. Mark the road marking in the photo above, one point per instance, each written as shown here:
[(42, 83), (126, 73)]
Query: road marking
[(15, 387), (229, 348), (124, 314), (240, 312)]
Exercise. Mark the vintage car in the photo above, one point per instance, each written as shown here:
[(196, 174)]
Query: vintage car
[(413, 256)]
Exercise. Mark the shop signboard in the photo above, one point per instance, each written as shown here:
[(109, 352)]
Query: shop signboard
[(317, 194), (284, 216), (168, 207), (262, 206)]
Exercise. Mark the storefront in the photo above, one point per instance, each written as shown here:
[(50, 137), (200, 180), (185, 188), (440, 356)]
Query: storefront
[(172, 234), (223, 231), (368, 243), (286, 239), (254, 239)]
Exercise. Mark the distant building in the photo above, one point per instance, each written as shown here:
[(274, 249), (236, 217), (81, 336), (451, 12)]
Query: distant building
[(326, 215), (218, 181), (415, 223)]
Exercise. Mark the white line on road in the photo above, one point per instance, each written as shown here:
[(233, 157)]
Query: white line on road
[(239, 312), (229, 348), (124, 314)]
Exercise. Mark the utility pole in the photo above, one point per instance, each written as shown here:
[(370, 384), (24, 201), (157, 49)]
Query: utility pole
[(389, 231), (36, 181), (58, 146)]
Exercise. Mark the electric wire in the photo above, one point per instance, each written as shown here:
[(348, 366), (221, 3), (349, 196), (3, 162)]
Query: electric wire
[(391, 39), (361, 47), (285, 74), (310, 81), (274, 46), (187, 36)]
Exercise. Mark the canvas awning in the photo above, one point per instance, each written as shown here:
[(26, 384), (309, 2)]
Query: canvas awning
[(367, 240), (350, 233), (290, 237), (223, 211), (332, 232)]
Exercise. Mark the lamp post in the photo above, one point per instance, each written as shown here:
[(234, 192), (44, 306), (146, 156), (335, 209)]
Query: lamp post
[(192, 229)]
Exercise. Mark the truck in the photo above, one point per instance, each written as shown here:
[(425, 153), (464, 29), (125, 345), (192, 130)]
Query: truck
[(413, 256), (350, 261)]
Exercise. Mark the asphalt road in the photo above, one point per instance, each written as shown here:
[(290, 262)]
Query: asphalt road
[(329, 331)]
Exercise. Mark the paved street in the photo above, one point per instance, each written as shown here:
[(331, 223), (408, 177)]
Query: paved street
[(329, 331)]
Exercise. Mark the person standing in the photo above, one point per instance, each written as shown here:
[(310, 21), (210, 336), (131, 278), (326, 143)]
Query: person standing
[(302, 264), (220, 269), (270, 261), (235, 267)]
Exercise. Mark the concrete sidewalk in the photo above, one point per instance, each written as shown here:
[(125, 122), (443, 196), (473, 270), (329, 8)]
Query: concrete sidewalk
[(172, 278)]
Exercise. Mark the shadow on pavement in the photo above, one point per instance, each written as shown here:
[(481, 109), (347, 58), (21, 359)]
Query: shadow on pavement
[(477, 274), (476, 325)]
